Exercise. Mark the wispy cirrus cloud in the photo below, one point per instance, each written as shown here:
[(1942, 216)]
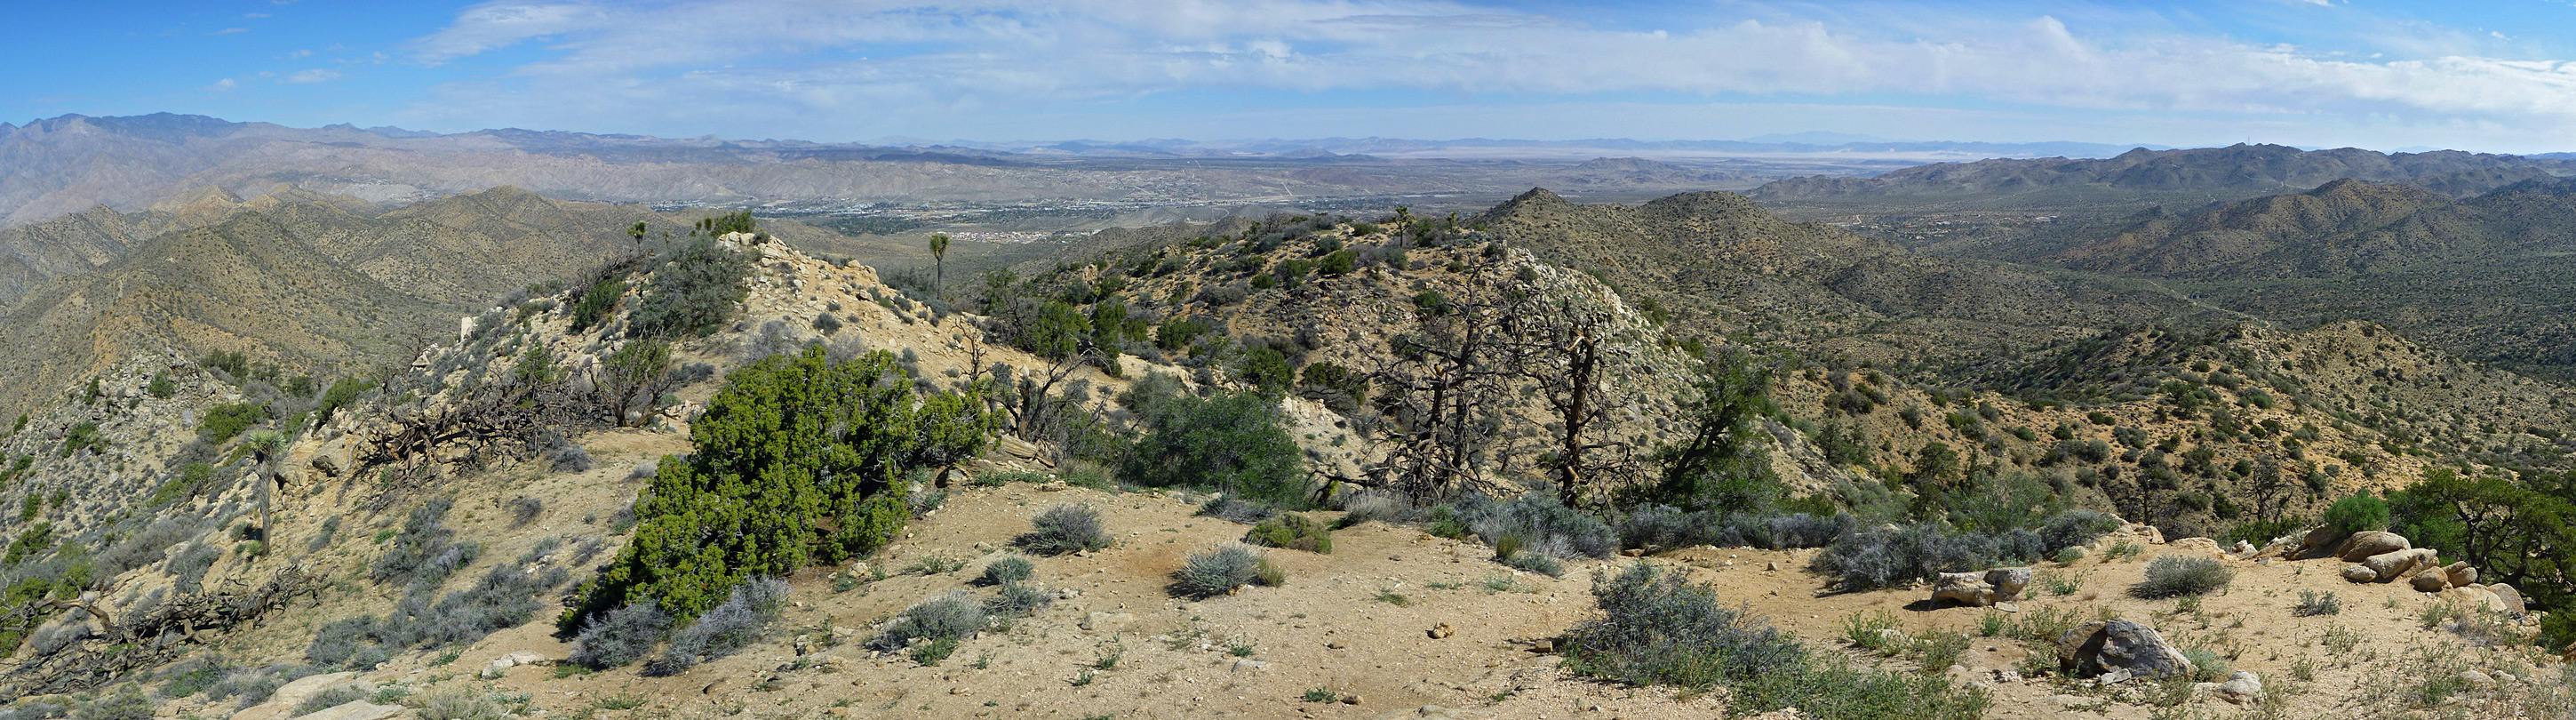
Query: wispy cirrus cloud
[(311, 76), (814, 64)]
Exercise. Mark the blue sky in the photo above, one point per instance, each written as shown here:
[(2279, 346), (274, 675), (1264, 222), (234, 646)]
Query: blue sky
[(2493, 75)]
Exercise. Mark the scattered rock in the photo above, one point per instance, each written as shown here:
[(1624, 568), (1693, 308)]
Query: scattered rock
[(1442, 630), (2119, 646), (1353, 699), (2244, 549), (2196, 544), (2359, 574), (2241, 688), (2476, 678), (1250, 666), (2008, 582), (2371, 542)]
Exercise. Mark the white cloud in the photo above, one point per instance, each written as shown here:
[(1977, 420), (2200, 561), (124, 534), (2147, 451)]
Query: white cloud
[(312, 76), (224, 84), (819, 63), (229, 31), (296, 54)]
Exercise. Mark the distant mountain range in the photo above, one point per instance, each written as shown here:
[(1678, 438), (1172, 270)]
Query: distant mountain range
[(2197, 174), (65, 165)]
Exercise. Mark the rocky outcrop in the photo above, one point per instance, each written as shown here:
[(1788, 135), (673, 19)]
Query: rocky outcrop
[(2117, 650), (2368, 543), (2389, 566)]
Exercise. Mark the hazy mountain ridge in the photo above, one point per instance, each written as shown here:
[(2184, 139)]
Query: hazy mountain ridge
[(58, 166), (2233, 172)]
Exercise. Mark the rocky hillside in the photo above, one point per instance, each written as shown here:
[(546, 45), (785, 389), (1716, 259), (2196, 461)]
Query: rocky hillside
[(1725, 266)]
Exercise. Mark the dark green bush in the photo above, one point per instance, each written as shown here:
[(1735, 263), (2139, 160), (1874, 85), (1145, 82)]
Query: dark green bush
[(597, 303), (2178, 575), (798, 461), (2357, 513), (1236, 443), (85, 437), (692, 291), (228, 420), (1293, 532)]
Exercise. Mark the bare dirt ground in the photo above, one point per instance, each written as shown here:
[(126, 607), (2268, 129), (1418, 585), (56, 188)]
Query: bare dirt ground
[(1350, 635)]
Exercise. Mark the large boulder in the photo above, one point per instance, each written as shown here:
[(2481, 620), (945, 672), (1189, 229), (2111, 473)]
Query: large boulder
[(2509, 598), (2121, 648), (2241, 688), (2459, 574), (2359, 574), (2008, 583), (2430, 581), (2370, 543), (2389, 566), (1964, 589), (2318, 541)]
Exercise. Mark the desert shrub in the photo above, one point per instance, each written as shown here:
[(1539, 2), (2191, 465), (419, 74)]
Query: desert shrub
[(328, 698), (1007, 570), (724, 629), (223, 422), (188, 568), (620, 636), (692, 291), (1237, 443), (1235, 509), (2357, 513), (127, 703), (2312, 604), (425, 541), (192, 675), (145, 547), (797, 462), (1659, 628), (1880, 558), (948, 619), (2178, 575), (460, 702), (1667, 526), (255, 685), (566, 456), (1294, 532), (1016, 599), (1364, 505), (1064, 529), (1536, 522), (1218, 571), (2076, 528), (1537, 563)]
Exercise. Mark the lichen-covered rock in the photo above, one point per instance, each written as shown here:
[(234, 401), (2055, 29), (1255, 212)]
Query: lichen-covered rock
[(2369, 543), (2121, 646)]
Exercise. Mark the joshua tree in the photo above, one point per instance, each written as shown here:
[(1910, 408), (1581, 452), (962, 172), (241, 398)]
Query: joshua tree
[(637, 231), (939, 254)]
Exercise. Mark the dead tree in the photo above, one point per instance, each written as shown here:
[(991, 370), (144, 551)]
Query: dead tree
[(1444, 390), (1570, 355)]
